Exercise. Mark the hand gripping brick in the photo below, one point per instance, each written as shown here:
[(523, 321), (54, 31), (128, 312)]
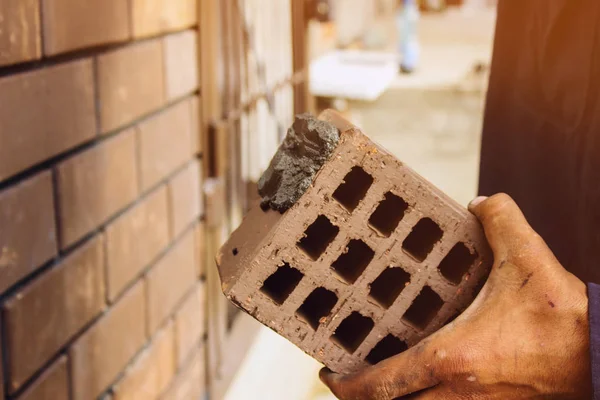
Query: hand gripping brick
[(371, 259)]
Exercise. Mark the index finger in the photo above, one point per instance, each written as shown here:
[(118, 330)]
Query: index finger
[(421, 367)]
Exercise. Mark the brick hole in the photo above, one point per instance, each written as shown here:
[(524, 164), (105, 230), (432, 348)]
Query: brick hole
[(457, 263), (281, 283), (354, 188), (351, 264), (424, 235), (388, 214), (424, 308), (317, 305), (389, 346), (352, 331), (317, 237), (388, 286)]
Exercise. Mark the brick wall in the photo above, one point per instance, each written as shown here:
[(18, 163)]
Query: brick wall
[(100, 200)]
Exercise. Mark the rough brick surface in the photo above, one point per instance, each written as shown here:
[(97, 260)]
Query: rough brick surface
[(181, 63), (189, 323), (185, 200), (136, 238), (165, 143), (151, 17), (60, 114), (368, 262), (103, 351), (74, 24), (190, 382), (130, 83), (28, 232), (20, 38), (52, 384), (152, 371), (171, 277), (95, 184), (43, 316)]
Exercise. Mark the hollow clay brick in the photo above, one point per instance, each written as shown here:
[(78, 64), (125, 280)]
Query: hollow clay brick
[(369, 261)]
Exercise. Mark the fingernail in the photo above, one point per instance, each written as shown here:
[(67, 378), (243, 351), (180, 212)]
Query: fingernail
[(477, 200)]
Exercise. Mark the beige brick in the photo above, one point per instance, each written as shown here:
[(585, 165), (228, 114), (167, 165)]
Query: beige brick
[(130, 83), (152, 371), (52, 384), (28, 232), (104, 350), (43, 316), (197, 137), (181, 63), (190, 323), (135, 239), (200, 247), (20, 38), (95, 184), (170, 279), (75, 24), (190, 382), (151, 17), (165, 144), (59, 101), (185, 199)]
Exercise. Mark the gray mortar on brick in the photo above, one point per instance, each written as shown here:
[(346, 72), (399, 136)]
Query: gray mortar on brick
[(307, 146)]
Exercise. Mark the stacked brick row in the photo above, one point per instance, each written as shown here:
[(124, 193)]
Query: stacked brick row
[(101, 285)]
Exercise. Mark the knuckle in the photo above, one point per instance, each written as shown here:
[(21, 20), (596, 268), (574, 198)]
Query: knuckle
[(494, 205)]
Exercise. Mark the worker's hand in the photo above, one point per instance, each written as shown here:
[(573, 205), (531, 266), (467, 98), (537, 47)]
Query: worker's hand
[(525, 336)]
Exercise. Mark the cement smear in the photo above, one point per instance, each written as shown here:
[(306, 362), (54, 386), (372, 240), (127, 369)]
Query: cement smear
[(307, 146)]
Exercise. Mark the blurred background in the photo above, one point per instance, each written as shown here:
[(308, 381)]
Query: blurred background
[(132, 135)]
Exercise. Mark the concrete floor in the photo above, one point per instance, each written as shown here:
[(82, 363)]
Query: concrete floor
[(432, 121)]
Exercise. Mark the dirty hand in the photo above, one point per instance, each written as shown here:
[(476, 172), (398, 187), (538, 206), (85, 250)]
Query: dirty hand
[(525, 336)]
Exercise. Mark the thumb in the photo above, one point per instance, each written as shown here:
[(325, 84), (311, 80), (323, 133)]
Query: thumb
[(509, 234)]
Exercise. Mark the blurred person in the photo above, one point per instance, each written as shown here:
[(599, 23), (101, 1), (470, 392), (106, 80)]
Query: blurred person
[(533, 332)]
